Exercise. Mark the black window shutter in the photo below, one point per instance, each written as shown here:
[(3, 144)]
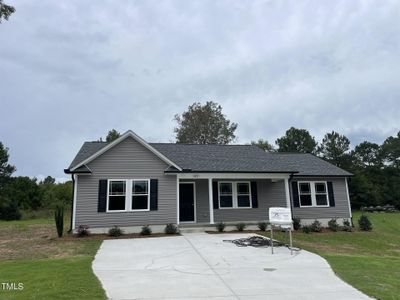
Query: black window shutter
[(331, 194), (215, 194), (153, 194), (254, 197), (295, 193), (102, 195)]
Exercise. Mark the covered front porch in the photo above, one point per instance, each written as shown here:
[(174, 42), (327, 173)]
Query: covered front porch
[(204, 199)]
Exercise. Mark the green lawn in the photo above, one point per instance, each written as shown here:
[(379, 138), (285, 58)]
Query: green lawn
[(48, 267), (369, 261)]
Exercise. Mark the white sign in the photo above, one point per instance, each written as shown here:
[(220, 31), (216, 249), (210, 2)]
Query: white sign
[(280, 216)]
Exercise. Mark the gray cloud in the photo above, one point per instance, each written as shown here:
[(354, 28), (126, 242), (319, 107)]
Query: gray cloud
[(72, 70)]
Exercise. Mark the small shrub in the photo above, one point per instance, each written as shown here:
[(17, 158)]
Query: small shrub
[(262, 226), (346, 226), (306, 229), (240, 226), (115, 231), (220, 226), (364, 223), (171, 229), (146, 230), (83, 230), (316, 226), (333, 225), (59, 219), (296, 223)]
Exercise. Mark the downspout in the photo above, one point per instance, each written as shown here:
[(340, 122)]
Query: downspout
[(290, 194), (72, 203)]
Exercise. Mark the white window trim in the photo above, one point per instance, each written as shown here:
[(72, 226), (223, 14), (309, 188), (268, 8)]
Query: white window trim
[(128, 195), (313, 193), (131, 195), (234, 195)]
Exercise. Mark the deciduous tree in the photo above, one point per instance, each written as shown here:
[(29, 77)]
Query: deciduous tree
[(112, 135), (264, 145), (204, 124), (296, 140)]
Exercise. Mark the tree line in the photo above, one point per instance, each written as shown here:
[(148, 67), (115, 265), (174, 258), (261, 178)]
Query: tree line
[(376, 167), (22, 193)]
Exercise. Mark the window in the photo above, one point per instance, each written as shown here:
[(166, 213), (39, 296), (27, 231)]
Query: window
[(225, 194), (243, 194), (128, 195), (116, 195), (321, 196), (313, 194), (234, 195), (140, 195), (305, 194)]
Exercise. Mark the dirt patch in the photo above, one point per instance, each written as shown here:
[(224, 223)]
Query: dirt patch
[(38, 241)]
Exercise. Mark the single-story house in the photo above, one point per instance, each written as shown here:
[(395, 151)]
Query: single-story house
[(130, 183)]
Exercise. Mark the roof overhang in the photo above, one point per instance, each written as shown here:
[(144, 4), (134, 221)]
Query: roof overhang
[(81, 170), (127, 134), (326, 176), (231, 175)]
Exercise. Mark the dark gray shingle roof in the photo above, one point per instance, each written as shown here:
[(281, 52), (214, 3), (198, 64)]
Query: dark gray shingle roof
[(87, 150), (231, 158), (221, 158)]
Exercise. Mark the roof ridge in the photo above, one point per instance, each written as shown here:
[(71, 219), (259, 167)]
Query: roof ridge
[(193, 144), (103, 142)]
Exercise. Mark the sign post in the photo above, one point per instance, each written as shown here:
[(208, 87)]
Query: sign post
[(282, 217)]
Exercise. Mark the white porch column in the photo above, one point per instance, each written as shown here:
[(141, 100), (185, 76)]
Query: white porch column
[(287, 193), (177, 199), (211, 200)]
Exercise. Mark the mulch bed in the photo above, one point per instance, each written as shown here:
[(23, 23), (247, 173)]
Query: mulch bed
[(103, 236)]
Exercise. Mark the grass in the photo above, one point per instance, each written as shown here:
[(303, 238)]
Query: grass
[(369, 261), (48, 267)]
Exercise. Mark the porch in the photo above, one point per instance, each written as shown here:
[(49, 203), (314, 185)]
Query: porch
[(204, 199)]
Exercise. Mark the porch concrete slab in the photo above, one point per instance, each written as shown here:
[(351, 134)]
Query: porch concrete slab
[(203, 266)]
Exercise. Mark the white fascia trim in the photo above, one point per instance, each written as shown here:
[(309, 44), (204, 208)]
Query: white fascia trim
[(75, 198), (137, 138), (233, 175), (348, 197)]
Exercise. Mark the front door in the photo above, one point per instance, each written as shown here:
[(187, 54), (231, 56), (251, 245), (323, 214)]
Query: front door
[(186, 202)]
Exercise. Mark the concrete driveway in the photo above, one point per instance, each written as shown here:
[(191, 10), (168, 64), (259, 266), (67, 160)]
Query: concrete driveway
[(202, 266)]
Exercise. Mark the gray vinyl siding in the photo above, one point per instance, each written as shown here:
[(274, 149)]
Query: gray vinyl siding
[(341, 208), (270, 194), (127, 160)]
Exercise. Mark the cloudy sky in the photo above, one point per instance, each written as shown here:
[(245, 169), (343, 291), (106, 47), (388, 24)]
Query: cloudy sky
[(72, 70)]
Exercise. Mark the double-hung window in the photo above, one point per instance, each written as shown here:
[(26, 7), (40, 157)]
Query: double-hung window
[(140, 195), (313, 194), (128, 195), (116, 195), (234, 194), (225, 194), (321, 194)]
